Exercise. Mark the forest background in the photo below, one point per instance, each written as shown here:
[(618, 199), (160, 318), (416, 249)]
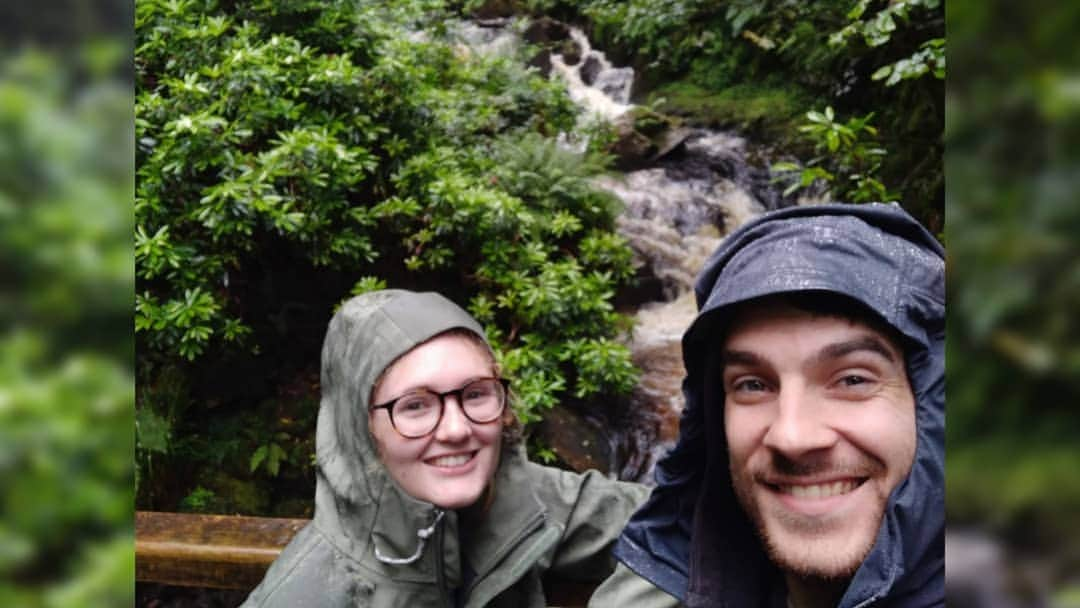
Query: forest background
[(68, 458)]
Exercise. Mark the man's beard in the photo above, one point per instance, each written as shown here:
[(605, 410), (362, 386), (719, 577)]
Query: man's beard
[(810, 547)]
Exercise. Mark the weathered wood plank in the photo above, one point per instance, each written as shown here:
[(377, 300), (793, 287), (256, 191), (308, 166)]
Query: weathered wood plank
[(225, 551)]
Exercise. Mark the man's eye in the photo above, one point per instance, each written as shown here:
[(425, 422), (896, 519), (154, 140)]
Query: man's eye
[(749, 385), (856, 384)]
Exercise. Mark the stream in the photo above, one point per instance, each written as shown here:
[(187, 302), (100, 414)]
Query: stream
[(676, 210)]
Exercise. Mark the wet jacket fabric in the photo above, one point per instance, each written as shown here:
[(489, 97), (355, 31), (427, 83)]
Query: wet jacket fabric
[(540, 521), (691, 539)]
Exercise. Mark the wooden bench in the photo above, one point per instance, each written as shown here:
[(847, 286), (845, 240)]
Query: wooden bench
[(233, 552)]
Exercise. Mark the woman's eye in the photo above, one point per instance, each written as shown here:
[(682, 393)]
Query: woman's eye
[(413, 405)]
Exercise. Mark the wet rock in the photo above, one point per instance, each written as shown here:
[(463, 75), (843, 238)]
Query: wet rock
[(495, 9), (571, 52), (977, 570), (631, 148), (590, 70), (670, 140), (575, 440), (644, 136), (546, 30), (542, 61)]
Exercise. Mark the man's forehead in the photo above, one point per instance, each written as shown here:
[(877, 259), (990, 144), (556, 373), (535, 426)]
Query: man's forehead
[(782, 312)]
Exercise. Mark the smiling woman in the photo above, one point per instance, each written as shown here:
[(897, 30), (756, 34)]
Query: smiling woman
[(423, 494), (429, 441)]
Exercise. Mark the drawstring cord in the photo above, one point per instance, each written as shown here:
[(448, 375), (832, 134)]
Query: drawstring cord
[(423, 534)]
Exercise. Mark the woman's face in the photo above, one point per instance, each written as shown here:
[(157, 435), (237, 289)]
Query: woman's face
[(451, 466)]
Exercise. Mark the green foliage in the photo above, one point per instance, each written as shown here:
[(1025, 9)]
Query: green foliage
[(766, 110), (1023, 492), (66, 396), (1014, 282), (200, 500), (850, 159), (290, 153), (270, 455), (929, 59)]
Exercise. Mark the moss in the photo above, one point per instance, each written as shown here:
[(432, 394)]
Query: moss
[(232, 495), (756, 109)]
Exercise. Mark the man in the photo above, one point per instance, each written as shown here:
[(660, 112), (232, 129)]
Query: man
[(809, 469)]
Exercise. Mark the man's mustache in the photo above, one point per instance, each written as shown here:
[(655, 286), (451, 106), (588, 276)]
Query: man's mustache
[(816, 464)]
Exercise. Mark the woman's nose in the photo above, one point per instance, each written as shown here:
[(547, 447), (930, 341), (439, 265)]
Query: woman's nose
[(454, 426)]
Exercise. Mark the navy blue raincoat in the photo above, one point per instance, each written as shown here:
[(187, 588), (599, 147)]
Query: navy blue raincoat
[(691, 538)]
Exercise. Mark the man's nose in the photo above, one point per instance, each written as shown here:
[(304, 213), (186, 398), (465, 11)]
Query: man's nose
[(800, 423), (454, 426)]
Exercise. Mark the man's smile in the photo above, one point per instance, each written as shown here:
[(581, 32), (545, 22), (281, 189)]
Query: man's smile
[(820, 490)]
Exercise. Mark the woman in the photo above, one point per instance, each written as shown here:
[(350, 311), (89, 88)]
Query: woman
[(423, 494)]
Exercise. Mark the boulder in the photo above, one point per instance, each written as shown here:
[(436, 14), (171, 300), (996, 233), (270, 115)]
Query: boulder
[(495, 9), (571, 51), (542, 61), (577, 442), (546, 30), (643, 136), (590, 70)]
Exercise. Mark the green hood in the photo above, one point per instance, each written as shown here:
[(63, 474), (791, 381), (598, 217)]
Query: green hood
[(366, 335), (357, 503)]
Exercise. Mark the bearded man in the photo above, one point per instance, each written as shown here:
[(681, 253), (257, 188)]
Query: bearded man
[(809, 469)]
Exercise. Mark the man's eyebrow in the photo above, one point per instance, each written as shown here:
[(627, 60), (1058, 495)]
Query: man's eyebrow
[(738, 357), (868, 342)]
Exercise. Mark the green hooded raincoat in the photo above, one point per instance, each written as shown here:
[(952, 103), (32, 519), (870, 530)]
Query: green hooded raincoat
[(541, 521)]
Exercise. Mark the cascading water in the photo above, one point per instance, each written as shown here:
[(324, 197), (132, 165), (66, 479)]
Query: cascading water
[(677, 208)]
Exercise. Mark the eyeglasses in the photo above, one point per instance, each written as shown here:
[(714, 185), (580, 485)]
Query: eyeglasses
[(418, 413)]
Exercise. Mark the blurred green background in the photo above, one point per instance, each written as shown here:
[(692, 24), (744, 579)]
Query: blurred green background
[(1013, 240), (66, 284), (66, 289)]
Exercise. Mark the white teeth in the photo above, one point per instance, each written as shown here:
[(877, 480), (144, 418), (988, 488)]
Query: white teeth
[(451, 461), (821, 490)]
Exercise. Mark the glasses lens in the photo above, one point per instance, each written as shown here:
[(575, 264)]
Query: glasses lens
[(483, 400), (416, 414)]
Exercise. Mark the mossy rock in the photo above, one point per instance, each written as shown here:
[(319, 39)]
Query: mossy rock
[(642, 136), (495, 9), (753, 109)]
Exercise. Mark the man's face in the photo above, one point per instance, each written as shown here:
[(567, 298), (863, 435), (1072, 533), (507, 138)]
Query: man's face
[(820, 425)]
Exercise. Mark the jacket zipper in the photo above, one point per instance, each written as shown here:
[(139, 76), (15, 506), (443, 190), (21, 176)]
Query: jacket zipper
[(440, 565), (528, 530)]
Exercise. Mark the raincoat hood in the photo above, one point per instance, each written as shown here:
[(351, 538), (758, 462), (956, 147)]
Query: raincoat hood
[(881, 257), (368, 333)]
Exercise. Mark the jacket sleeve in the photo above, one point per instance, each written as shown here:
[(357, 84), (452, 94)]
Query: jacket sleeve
[(594, 510), (625, 588)]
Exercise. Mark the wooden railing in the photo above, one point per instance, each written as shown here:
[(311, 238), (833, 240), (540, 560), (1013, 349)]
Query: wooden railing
[(233, 552)]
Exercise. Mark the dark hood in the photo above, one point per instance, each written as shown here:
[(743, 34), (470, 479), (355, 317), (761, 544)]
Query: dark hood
[(876, 254)]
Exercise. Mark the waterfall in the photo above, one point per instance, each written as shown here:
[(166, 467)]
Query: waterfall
[(677, 209)]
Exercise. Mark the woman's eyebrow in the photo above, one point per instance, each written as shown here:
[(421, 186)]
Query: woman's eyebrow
[(869, 343)]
